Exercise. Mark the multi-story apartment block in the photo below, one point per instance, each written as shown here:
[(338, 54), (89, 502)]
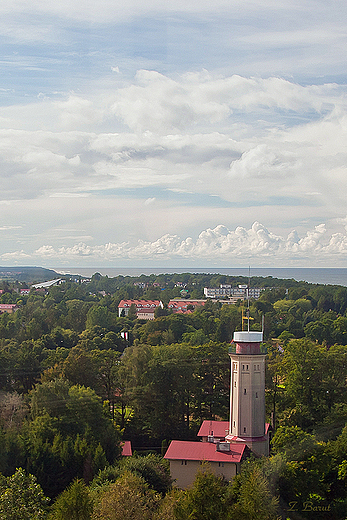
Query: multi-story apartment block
[(144, 308), (239, 292)]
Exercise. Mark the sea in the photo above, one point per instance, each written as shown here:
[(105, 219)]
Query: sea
[(319, 275)]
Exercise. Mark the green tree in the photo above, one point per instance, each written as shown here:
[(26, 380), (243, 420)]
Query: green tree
[(70, 435), (128, 497), (132, 312), (80, 367), (75, 503), (207, 499), (254, 499), (152, 468), (169, 505), (292, 440), (101, 316), (21, 498), (302, 367), (77, 314), (25, 365)]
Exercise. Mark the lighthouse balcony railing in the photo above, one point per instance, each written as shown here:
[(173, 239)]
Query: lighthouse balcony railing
[(232, 348)]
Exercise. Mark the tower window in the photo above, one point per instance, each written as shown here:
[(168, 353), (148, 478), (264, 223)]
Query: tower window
[(246, 367), (256, 395), (244, 430), (234, 424), (235, 383), (243, 367), (245, 391), (221, 464)]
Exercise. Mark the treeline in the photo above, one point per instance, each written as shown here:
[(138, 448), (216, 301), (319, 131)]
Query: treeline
[(71, 388), (305, 478), (140, 489), (314, 311)]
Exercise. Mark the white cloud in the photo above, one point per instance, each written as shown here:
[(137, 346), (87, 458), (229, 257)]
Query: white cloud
[(264, 161), (150, 200), (256, 244), (197, 150), (6, 228), (161, 105), (109, 10), (16, 256)]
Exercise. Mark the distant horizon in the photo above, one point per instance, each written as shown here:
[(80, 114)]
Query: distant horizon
[(187, 268), (320, 275)]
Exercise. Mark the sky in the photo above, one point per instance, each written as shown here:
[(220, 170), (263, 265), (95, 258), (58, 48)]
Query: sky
[(173, 133)]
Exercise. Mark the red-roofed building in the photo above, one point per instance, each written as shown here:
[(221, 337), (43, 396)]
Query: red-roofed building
[(144, 308), (226, 443), (126, 449), (219, 431), (185, 458), (8, 307), (216, 429), (181, 306)]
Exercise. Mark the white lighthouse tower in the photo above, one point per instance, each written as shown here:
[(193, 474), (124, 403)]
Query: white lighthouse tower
[(247, 392)]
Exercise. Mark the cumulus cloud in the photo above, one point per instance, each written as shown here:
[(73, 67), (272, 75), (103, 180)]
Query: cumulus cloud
[(242, 148), (16, 256), (257, 244), (160, 104), (187, 130), (264, 161)]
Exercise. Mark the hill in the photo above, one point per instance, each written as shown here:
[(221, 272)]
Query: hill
[(27, 274)]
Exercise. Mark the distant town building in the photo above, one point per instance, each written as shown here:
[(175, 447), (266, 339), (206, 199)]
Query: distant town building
[(24, 292), (144, 308), (47, 285), (141, 285), (181, 306), (8, 307), (237, 293)]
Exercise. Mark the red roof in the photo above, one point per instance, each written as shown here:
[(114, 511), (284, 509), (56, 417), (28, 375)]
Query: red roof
[(126, 449), (180, 306), (188, 450), (218, 429), (183, 304), (140, 304)]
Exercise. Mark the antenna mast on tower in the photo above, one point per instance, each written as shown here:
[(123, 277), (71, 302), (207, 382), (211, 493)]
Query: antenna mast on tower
[(248, 291)]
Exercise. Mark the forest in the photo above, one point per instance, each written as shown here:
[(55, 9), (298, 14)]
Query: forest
[(72, 389)]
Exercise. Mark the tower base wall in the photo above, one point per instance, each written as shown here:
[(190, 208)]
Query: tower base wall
[(259, 446)]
